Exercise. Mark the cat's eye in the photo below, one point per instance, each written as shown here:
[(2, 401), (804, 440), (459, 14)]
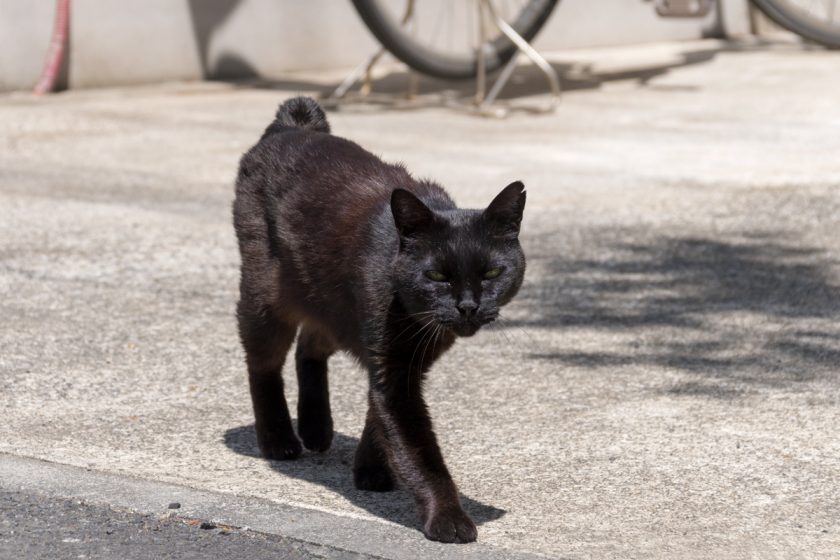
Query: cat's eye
[(436, 276), (493, 273)]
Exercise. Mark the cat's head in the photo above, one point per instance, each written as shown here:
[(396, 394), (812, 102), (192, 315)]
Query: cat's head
[(458, 267)]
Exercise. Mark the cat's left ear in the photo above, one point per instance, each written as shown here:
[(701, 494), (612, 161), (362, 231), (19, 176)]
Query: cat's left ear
[(505, 212)]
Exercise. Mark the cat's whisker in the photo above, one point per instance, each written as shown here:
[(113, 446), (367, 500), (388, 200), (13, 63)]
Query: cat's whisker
[(504, 333), (433, 336), (518, 332), (425, 329), (425, 339), (420, 313), (500, 334), (506, 324), (425, 325), (410, 369), (412, 324), (417, 347)]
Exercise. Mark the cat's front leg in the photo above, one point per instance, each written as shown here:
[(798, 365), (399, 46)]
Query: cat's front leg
[(413, 454), (370, 465)]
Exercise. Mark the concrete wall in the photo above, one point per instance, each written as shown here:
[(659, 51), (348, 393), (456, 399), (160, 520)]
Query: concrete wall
[(129, 41), (25, 30)]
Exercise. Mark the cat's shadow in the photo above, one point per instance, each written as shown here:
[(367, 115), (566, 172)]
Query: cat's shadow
[(332, 469)]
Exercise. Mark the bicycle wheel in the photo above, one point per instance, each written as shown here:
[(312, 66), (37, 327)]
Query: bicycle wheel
[(817, 20), (440, 39)]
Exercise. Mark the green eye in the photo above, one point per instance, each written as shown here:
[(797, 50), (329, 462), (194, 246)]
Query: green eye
[(435, 275), (492, 273)]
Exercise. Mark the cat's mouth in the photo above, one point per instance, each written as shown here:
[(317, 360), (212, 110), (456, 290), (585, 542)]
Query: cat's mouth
[(465, 329), (468, 327)]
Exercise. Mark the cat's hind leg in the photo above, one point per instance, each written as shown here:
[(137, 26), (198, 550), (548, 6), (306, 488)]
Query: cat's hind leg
[(315, 424), (266, 340)]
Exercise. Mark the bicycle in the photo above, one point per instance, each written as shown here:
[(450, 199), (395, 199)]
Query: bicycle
[(413, 36), (422, 47), (499, 52)]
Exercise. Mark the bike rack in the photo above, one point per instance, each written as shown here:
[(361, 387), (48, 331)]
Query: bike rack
[(484, 102)]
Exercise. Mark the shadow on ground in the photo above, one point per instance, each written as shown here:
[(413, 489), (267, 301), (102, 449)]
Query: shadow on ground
[(332, 470), (757, 310), (391, 88), (526, 81)]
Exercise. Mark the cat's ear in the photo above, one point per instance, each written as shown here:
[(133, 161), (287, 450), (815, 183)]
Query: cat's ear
[(410, 214), (505, 212)]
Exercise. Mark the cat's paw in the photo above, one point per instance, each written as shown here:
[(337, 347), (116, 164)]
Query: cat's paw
[(279, 448), (451, 525), (317, 435), (373, 479)]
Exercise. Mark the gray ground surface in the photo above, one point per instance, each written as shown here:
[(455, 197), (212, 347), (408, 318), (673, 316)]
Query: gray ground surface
[(666, 385), (36, 527), (317, 532)]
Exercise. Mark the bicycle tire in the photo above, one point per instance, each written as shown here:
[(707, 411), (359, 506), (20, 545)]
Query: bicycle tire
[(800, 22), (421, 58)]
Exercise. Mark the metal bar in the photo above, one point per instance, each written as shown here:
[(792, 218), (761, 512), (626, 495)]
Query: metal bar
[(366, 68), (525, 47), (367, 83), (354, 76), (503, 78)]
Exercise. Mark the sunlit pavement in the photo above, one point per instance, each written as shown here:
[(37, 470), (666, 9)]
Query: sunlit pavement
[(665, 385)]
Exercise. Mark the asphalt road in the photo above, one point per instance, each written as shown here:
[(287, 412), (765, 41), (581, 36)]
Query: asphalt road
[(39, 527)]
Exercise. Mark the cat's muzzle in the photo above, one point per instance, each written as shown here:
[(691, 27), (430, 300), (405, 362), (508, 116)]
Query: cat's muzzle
[(465, 329), (468, 327)]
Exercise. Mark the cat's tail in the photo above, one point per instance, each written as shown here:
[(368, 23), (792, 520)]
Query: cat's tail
[(301, 112)]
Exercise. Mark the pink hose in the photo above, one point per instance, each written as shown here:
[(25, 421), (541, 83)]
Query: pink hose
[(52, 68)]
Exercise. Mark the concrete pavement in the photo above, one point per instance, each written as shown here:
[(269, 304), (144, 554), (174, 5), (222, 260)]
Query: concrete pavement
[(666, 385)]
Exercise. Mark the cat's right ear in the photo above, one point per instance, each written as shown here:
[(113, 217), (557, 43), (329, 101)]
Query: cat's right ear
[(410, 214)]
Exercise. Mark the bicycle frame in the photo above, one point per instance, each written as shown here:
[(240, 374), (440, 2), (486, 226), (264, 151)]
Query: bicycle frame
[(485, 98)]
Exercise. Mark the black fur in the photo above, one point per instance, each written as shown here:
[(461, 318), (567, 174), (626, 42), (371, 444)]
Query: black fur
[(357, 255)]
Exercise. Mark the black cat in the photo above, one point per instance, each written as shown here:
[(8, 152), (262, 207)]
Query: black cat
[(360, 256)]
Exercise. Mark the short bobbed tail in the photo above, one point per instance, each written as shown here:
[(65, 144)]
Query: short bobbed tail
[(300, 112)]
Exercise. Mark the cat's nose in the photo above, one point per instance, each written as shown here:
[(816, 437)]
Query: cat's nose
[(467, 308)]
